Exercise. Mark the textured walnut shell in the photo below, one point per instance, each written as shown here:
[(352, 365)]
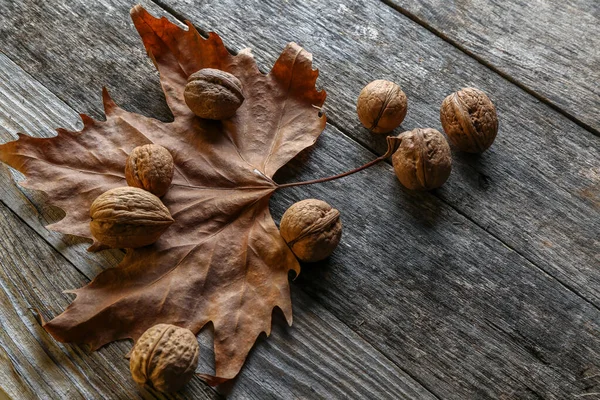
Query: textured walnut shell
[(423, 160), (150, 167), (128, 217), (469, 119), (165, 357), (213, 94), (312, 229), (381, 106)]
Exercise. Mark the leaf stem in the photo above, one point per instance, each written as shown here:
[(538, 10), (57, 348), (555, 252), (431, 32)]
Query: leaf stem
[(393, 144), (331, 178)]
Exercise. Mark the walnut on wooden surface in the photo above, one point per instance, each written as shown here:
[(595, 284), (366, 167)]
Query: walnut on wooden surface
[(213, 94), (164, 357), (128, 217), (469, 119), (150, 167), (423, 160), (381, 106), (312, 229)]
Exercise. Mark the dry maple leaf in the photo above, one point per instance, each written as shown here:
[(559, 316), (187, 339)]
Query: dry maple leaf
[(223, 260)]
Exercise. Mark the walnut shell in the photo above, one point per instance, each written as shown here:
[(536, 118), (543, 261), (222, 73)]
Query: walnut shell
[(469, 119), (381, 106), (165, 357), (150, 167), (423, 160), (213, 94), (312, 229), (128, 217)]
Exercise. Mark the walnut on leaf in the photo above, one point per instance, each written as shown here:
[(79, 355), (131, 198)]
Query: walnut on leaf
[(128, 217), (150, 167), (213, 94)]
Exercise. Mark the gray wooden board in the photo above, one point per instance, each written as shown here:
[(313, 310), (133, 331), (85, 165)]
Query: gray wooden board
[(464, 314), (318, 356), (32, 364), (549, 47), (459, 310), (537, 189)]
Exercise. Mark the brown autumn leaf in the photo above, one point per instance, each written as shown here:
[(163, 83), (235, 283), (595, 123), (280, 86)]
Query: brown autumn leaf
[(223, 260)]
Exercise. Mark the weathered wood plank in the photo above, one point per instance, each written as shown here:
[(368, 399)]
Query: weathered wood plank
[(293, 362), (539, 177), (537, 189), (319, 357), (34, 35), (288, 364), (27, 106), (455, 307), (34, 365), (4, 395), (548, 47), (13, 384)]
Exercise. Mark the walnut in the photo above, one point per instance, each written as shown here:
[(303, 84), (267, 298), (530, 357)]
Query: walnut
[(312, 229), (128, 217), (150, 167), (423, 160), (381, 106), (165, 357), (213, 94), (469, 119)]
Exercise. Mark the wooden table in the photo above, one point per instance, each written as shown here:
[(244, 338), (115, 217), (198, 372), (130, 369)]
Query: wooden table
[(488, 288)]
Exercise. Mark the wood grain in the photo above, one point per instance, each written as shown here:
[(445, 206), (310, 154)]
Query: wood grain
[(538, 187), (27, 106), (466, 315), (35, 35), (455, 307), (534, 189), (317, 355), (548, 47), (34, 365)]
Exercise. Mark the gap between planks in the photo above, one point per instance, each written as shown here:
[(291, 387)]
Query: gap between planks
[(82, 273), (343, 131), (425, 387), (332, 125), (181, 19), (491, 67)]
